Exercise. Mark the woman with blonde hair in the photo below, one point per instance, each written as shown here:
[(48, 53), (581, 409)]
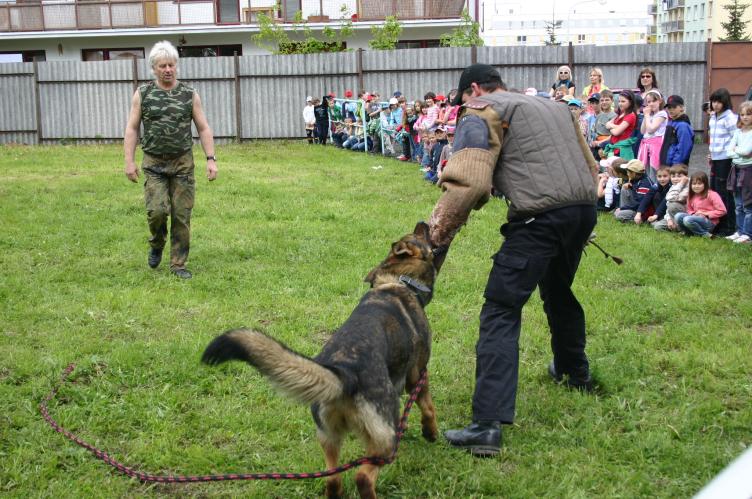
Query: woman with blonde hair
[(596, 84), (563, 77)]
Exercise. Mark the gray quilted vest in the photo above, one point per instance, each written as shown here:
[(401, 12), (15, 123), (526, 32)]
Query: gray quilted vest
[(541, 166)]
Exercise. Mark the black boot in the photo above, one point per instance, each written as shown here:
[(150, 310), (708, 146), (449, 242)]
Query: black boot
[(155, 256), (582, 383), (182, 273), (482, 439)]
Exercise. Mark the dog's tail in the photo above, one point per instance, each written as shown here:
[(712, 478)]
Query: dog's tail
[(292, 373)]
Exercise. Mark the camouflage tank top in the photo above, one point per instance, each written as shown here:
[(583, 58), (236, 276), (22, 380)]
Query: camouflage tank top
[(167, 116)]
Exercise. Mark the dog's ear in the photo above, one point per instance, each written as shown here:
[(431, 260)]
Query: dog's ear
[(402, 248), (423, 231)]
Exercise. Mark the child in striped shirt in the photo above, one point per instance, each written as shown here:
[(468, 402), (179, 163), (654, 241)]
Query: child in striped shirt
[(722, 127)]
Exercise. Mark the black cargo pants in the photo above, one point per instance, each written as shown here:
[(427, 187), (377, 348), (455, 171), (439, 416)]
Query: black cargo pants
[(543, 251)]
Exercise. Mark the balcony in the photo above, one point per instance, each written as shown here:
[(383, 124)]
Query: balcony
[(672, 27), (55, 15), (652, 30), (652, 10), (673, 4)]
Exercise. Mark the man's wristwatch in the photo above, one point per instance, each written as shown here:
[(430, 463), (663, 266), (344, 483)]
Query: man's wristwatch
[(213, 158)]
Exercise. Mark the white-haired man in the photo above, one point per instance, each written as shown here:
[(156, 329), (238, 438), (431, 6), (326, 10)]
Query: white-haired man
[(167, 107)]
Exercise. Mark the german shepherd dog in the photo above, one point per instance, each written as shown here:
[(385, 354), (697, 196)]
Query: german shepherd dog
[(355, 383)]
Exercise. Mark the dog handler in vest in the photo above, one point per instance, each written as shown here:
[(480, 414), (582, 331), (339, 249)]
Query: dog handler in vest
[(530, 150), (167, 107)]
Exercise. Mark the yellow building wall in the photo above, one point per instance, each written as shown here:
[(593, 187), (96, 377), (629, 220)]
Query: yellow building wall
[(721, 15)]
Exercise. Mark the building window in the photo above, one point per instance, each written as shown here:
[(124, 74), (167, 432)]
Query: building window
[(417, 44), (23, 56), (580, 38), (521, 40), (111, 54), (209, 50)]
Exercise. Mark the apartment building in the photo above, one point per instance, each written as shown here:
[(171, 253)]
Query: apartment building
[(582, 22), (93, 30), (692, 20)]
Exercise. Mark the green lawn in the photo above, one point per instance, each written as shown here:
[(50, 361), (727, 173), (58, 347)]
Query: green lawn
[(281, 242)]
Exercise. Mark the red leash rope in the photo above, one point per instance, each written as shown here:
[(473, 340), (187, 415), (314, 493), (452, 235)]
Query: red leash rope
[(146, 477)]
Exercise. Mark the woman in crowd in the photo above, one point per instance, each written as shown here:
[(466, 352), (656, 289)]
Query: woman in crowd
[(596, 84), (647, 81), (563, 77)]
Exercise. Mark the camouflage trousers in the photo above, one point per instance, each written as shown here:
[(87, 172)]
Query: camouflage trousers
[(169, 190)]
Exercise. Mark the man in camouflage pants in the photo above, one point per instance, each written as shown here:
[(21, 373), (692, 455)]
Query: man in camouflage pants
[(167, 107)]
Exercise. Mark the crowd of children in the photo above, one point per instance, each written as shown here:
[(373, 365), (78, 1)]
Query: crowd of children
[(421, 131), (642, 139), (655, 186)]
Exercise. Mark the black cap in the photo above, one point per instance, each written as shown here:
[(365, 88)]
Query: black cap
[(596, 97), (674, 100), (477, 73)]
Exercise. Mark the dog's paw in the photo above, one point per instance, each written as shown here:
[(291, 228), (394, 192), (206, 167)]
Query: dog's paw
[(430, 432), (335, 490)]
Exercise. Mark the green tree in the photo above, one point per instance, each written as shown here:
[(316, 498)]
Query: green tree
[(385, 37), (466, 34), (551, 28), (275, 39), (736, 27)]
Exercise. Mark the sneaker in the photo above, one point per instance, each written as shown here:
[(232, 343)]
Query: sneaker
[(744, 239), (734, 236), (402, 157)]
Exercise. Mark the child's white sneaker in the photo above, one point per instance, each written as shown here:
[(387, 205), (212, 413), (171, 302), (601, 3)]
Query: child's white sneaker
[(745, 239), (734, 236)]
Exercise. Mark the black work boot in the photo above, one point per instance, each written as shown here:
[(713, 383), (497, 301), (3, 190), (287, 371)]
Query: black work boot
[(584, 384), (182, 273), (482, 439), (155, 256)]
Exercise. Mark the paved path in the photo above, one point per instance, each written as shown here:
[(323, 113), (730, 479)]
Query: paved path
[(698, 161)]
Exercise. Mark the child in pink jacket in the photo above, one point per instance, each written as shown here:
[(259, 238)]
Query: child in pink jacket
[(704, 208)]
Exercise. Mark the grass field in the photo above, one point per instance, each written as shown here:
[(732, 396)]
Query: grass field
[(281, 242)]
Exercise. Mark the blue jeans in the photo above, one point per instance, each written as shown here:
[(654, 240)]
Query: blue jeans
[(351, 141), (361, 146), (418, 151), (743, 214), (693, 224)]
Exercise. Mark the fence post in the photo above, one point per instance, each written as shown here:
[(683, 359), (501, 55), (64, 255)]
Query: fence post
[(707, 86), (238, 112), (359, 69), (570, 58), (134, 67), (37, 102), (473, 54)]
